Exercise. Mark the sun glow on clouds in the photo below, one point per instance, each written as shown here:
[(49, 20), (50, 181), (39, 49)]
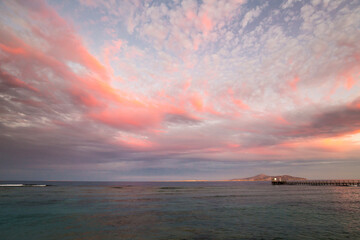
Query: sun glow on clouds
[(183, 81)]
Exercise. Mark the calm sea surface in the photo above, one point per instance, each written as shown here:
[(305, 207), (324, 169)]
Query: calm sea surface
[(210, 210)]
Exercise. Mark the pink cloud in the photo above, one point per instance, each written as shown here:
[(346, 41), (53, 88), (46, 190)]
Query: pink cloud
[(11, 50), (197, 102), (293, 83), (128, 118), (206, 23), (240, 104)]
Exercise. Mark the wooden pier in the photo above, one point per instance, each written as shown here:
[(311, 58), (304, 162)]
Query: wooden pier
[(317, 182)]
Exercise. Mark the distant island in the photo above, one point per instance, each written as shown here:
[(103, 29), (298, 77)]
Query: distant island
[(264, 177)]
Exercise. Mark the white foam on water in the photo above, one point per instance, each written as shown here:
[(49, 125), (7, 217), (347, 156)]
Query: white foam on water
[(22, 185), (12, 185)]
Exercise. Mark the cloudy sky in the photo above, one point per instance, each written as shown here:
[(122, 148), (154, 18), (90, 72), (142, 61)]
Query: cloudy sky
[(174, 90)]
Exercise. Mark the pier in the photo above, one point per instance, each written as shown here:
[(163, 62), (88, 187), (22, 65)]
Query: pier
[(317, 182)]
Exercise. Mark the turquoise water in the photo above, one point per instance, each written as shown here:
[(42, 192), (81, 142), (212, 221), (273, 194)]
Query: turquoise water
[(211, 210)]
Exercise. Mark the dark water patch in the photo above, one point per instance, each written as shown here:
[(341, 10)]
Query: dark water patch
[(171, 188), (137, 200), (27, 203), (120, 187)]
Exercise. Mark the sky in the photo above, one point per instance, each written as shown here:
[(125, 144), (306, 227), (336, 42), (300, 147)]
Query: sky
[(176, 90)]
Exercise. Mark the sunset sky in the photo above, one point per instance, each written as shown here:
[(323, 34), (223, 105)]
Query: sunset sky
[(175, 90)]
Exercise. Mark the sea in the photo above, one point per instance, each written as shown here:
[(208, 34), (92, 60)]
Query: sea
[(177, 210)]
